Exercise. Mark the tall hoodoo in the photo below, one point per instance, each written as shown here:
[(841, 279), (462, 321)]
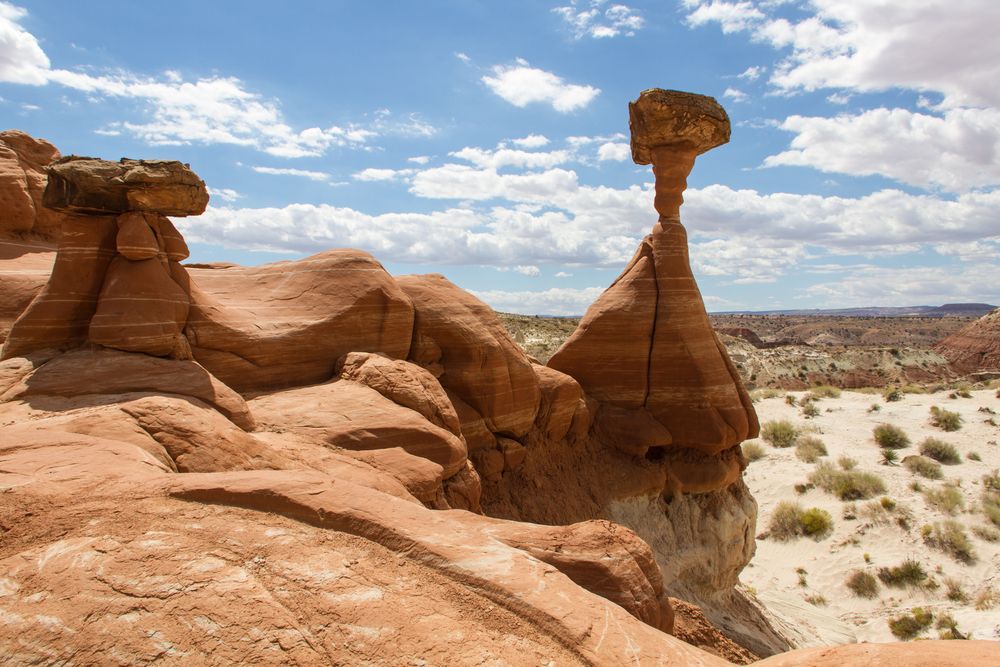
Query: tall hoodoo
[(645, 348)]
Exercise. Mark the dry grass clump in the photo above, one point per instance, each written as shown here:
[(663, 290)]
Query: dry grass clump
[(888, 436), (950, 537), (940, 451), (946, 498), (885, 510), (954, 590), (923, 466), (991, 496), (986, 599), (779, 433), (809, 448), (910, 625), (946, 420), (986, 533), (892, 394), (847, 463), (809, 410), (824, 391), (790, 521), (974, 456), (764, 393), (816, 600), (863, 584), (847, 484), (753, 451), (907, 573)]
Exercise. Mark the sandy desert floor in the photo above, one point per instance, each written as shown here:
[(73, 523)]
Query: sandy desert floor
[(805, 578)]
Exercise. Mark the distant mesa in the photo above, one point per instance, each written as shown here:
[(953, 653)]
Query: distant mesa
[(976, 347)]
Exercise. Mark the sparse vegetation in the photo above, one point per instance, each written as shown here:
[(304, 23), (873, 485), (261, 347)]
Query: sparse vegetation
[(789, 520), (986, 533), (888, 436), (954, 590), (847, 463), (946, 498), (910, 625), (950, 537), (764, 393), (809, 448), (907, 573), (940, 451), (892, 394), (824, 391), (947, 627), (779, 433), (790, 400), (847, 484), (809, 410), (816, 600), (986, 599), (991, 497), (923, 466), (863, 584), (974, 456), (946, 420), (889, 457), (753, 451), (874, 407)]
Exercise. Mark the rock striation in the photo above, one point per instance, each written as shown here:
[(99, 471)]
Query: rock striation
[(975, 347)]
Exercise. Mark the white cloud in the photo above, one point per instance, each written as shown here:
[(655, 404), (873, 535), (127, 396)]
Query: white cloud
[(618, 19), (520, 84), (531, 141), (617, 152), (529, 270), (563, 274), (225, 194), (506, 157), (22, 60), (871, 45), (735, 94), (373, 174), (300, 173), (957, 151), (553, 301), (419, 159), (909, 286), (461, 56), (752, 73)]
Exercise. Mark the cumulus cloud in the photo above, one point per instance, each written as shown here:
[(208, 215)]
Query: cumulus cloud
[(592, 19), (910, 285), (553, 301), (22, 60), (752, 73), (299, 173), (225, 194), (955, 152), (521, 85), (531, 141), (735, 94), (529, 270), (375, 174), (506, 157), (617, 152)]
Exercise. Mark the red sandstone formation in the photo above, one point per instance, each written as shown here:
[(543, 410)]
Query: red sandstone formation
[(315, 463), (975, 347)]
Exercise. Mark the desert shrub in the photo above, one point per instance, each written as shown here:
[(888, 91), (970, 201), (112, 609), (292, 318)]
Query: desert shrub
[(991, 497), (940, 451), (947, 627), (863, 584), (847, 463), (962, 391), (974, 456), (946, 420), (809, 410), (888, 436), (950, 537), (946, 498), (816, 600), (824, 391), (809, 448), (892, 394), (753, 451), (923, 466), (889, 457), (790, 400), (801, 571), (954, 591), (779, 433), (910, 625), (986, 599), (907, 573), (847, 484), (874, 407), (789, 520), (986, 533), (764, 393)]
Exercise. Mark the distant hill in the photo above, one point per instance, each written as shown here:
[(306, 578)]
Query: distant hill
[(947, 310)]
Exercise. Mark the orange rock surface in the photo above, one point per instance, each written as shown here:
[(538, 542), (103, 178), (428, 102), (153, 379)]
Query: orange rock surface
[(975, 347)]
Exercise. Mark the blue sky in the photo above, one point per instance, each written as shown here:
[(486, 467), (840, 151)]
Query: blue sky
[(488, 140)]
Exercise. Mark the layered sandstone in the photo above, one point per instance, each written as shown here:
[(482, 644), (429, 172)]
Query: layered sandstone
[(975, 347)]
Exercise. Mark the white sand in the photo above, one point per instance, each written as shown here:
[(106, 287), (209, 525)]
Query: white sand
[(845, 426)]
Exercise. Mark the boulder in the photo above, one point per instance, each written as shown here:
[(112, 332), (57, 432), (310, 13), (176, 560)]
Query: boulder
[(23, 159)]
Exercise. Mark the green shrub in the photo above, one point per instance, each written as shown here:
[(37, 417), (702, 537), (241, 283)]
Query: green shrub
[(790, 400), (948, 627), (910, 625), (809, 448), (874, 407), (891, 394), (753, 451), (941, 451), (847, 484), (889, 457), (923, 466), (863, 584), (946, 420), (907, 573), (946, 498), (950, 537), (789, 521), (888, 436), (779, 433)]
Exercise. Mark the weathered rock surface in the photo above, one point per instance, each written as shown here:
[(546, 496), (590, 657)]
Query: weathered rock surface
[(286, 324), (23, 159), (975, 347), (100, 187)]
